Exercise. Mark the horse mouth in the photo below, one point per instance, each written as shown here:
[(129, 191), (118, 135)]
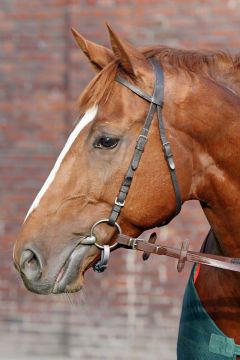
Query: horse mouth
[(67, 279)]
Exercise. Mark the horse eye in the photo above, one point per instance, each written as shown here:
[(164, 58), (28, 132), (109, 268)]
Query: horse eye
[(106, 142)]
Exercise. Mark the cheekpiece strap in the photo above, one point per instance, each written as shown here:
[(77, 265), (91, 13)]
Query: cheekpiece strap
[(162, 132)]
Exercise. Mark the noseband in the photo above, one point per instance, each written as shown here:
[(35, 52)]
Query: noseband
[(156, 105)]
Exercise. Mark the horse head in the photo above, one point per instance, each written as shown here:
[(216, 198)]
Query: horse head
[(81, 189)]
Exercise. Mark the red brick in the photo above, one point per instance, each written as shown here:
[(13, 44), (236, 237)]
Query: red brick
[(132, 302)]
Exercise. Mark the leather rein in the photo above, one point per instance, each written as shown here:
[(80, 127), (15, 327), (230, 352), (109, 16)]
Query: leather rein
[(149, 247)]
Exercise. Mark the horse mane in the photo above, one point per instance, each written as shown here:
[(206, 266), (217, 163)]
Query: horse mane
[(219, 66)]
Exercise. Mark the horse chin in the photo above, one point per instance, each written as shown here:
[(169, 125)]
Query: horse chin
[(76, 285), (71, 275)]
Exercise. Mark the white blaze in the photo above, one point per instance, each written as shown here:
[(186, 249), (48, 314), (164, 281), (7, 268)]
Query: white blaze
[(86, 119)]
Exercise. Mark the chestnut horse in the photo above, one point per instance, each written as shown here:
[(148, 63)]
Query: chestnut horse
[(201, 115)]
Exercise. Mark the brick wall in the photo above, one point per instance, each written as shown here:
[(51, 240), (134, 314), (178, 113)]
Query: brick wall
[(132, 310)]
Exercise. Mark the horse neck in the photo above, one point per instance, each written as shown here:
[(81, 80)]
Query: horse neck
[(216, 167)]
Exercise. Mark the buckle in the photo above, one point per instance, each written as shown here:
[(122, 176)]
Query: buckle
[(167, 150), (142, 136), (168, 155), (119, 203), (141, 142), (132, 243)]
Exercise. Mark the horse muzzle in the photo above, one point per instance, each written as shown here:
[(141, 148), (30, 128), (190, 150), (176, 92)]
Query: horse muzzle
[(44, 273), (53, 275)]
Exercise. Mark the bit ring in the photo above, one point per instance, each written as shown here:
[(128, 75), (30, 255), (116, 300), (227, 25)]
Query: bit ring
[(105, 221)]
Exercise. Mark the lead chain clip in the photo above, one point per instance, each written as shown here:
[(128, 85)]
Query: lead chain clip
[(102, 264)]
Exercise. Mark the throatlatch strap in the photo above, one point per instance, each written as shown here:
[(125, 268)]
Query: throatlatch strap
[(156, 103), (165, 144)]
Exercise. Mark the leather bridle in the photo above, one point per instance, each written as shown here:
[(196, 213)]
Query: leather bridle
[(156, 105), (183, 255)]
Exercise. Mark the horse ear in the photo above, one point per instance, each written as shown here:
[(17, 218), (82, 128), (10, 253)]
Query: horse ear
[(131, 59), (98, 55)]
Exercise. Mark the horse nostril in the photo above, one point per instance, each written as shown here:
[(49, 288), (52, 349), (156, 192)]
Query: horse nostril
[(30, 265)]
